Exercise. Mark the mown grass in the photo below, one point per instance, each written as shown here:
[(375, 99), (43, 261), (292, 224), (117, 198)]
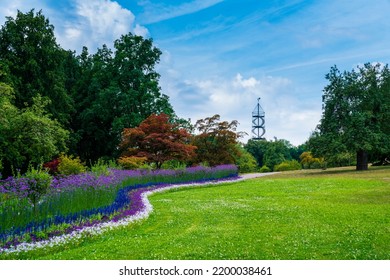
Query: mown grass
[(333, 214)]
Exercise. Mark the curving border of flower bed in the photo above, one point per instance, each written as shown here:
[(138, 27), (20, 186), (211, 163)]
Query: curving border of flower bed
[(141, 209)]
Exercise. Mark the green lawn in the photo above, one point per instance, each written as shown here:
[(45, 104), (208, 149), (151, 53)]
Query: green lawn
[(333, 214)]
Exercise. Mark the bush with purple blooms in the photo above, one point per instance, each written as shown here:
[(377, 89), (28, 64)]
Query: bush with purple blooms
[(32, 211)]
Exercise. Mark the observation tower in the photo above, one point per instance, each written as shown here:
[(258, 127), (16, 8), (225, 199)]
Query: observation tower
[(258, 121)]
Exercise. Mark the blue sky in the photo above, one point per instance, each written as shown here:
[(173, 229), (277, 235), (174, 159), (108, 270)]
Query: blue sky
[(219, 56)]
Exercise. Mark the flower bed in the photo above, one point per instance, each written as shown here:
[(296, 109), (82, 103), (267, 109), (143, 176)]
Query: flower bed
[(76, 202)]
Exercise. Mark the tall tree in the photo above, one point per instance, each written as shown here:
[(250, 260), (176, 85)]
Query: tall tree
[(257, 149), (28, 47), (158, 140), (117, 90), (92, 121), (356, 114), (136, 78), (217, 141)]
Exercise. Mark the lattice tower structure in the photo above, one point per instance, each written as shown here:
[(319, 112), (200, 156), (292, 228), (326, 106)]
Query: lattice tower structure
[(258, 122)]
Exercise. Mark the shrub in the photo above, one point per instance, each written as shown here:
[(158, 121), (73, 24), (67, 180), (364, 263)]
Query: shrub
[(174, 164), (318, 163), (38, 184), (265, 169), (132, 162), (246, 162), (102, 167), (310, 162), (70, 166), (52, 166), (288, 165)]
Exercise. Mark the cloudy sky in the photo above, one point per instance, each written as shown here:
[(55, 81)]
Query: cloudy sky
[(219, 56)]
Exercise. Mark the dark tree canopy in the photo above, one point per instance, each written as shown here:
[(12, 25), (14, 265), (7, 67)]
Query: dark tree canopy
[(117, 89), (356, 114), (29, 48)]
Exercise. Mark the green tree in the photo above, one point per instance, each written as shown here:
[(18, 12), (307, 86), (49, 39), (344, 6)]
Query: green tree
[(36, 63), (296, 151), (356, 114), (94, 107), (276, 153), (270, 153), (245, 161), (135, 60), (257, 149), (116, 90), (28, 136), (8, 113)]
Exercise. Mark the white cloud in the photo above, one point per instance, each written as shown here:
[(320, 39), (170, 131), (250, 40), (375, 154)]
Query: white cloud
[(84, 23), (248, 83), (141, 30), (98, 22), (10, 8), (158, 12), (73, 33), (103, 17)]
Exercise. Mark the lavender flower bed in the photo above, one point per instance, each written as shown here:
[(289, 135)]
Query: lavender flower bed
[(64, 208), (140, 209)]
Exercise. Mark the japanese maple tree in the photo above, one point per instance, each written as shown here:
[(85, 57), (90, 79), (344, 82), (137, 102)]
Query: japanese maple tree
[(157, 139), (217, 141)]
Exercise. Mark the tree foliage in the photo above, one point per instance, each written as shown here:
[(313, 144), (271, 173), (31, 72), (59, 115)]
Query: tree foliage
[(245, 161), (157, 139), (36, 62), (29, 135), (356, 114), (117, 89), (217, 141), (272, 153)]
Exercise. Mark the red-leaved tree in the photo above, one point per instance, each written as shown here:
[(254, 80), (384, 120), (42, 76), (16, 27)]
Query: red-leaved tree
[(157, 139), (217, 141)]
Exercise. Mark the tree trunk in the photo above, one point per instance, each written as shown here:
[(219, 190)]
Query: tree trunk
[(362, 160)]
